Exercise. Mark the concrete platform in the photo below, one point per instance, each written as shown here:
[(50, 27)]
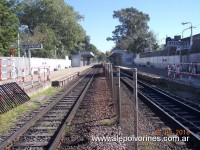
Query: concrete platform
[(162, 76), (195, 82), (54, 75)]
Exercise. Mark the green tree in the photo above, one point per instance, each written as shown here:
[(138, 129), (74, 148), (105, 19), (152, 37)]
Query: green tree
[(43, 34), (8, 28), (59, 20), (108, 53), (101, 57), (132, 32), (85, 45)]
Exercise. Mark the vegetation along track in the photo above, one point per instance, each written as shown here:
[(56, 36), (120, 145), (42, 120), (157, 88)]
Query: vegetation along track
[(45, 129), (181, 114)]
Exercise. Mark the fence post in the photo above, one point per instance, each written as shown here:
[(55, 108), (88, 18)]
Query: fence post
[(48, 74), (193, 69), (190, 77), (190, 67), (169, 71), (13, 70), (31, 76), (112, 84), (39, 75), (44, 72), (1, 70), (178, 71), (119, 96), (174, 70), (109, 75), (23, 77), (105, 70), (135, 99)]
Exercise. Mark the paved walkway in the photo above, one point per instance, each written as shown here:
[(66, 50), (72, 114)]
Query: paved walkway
[(55, 75), (195, 81)]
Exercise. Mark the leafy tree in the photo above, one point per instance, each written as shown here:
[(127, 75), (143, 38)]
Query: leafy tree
[(133, 32), (59, 20), (101, 57), (93, 49), (8, 28), (44, 34), (85, 45), (107, 53), (151, 41)]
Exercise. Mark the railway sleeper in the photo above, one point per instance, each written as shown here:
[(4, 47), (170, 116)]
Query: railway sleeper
[(40, 134), (32, 144)]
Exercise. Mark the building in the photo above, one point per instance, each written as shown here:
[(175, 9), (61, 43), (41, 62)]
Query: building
[(121, 57), (82, 59)]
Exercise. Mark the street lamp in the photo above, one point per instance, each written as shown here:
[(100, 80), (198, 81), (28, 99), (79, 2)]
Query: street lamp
[(191, 40), (182, 38), (184, 23), (184, 31)]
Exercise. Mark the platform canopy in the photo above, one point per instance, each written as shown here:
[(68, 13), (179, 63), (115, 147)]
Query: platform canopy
[(86, 54), (117, 53), (116, 56), (121, 57)]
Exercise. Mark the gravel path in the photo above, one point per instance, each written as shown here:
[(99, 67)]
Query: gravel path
[(95, 118), (149, 123)]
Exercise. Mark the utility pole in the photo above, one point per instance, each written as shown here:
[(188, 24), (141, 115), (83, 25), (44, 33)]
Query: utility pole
[(18, 44), (191, 39)]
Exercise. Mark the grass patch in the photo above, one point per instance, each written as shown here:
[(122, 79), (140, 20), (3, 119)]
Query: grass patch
[(68, 129), (45, 124), (107, 122), (87, 120), (10, 118), (48, 92), (59, 117)]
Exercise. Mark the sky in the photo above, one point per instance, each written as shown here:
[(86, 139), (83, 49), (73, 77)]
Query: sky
[(166, 17)]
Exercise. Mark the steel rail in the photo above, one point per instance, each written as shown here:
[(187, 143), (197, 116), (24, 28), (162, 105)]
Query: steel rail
[(8, 142), (169, 117), (171, 97), (68, 120)]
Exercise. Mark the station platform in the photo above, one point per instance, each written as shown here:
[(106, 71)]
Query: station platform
[(195, 81), (44, 84), (56, 75), (184, 88)]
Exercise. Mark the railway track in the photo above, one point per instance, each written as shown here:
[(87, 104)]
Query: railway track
[(182, 115), (46, 128)]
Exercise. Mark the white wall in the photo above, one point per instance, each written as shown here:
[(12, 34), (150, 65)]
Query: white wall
[(158, 62), (21, 62), (76, 61), (52, 63)]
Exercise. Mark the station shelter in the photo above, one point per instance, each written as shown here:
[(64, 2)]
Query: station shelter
[(82, 59), (121, 57)]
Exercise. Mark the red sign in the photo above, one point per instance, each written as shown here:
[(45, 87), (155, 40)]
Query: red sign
[(12, 52)]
